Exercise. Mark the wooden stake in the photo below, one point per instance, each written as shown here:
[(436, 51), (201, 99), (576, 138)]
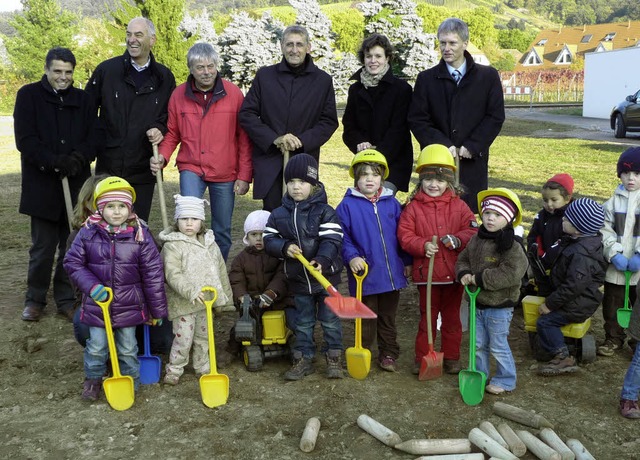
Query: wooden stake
[(378, 431), (488, 428), (516, 446), (435, 446), (553, 440), (310, 435), (537, 447), (577, 448), (488, 445), (522, 416)]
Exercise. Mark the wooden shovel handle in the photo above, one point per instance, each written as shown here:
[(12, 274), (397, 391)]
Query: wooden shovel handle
[(163, 205), (434, 240)]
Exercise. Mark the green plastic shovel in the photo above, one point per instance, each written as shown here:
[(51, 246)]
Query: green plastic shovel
[(624, 314), (471, 381), (118, 389)]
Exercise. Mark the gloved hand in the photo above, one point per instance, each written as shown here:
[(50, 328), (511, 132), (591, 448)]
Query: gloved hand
[(156, 322), (634, 263), (451, 242), (518, 230), (99, 293), (267, 298), (620, 262), (69, 165)]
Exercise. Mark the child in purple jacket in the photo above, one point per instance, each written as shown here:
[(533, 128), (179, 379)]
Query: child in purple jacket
[(114, 249), (375, 244)]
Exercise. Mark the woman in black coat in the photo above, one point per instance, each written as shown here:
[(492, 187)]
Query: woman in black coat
[(376, 112)]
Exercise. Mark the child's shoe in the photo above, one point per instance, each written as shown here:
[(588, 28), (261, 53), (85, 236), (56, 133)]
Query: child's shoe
[(629, 408), (334, 364), (563, 363), (387, 363), (415, 370), (494, 389), (171, 379), (91, 389), (300, 369), (608, 348), (451, 366)]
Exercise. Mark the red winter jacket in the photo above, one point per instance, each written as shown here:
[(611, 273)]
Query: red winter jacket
[(426, 216), (212, 143)]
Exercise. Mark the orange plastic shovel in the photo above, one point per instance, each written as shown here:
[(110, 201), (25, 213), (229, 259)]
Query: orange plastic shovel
[(343, 307), (214, 387), (119, 388), (431, 365)]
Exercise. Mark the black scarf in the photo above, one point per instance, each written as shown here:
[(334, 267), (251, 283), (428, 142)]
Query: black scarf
[(503, 238)]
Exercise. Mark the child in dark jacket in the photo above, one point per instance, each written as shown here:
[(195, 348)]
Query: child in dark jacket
[(305, 224), (576, 277), (495, 261), (375, 244), (547, 229), (114, 249)]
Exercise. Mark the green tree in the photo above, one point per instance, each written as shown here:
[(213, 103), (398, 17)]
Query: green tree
[(481, 26), (515, 39), (348, 24), (40, 26), (432, 16)]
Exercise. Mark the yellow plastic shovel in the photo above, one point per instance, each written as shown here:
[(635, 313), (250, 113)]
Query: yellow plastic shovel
[(214, 387), (358, 358), (119, 388)]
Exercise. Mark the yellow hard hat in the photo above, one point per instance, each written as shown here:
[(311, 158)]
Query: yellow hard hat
[(435, 155), (369, 156), (506, 193), (109, 184)]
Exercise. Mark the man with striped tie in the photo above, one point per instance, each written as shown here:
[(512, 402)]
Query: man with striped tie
[(459, 104)]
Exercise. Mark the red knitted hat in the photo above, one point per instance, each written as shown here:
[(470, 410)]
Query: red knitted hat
[(563, 179)]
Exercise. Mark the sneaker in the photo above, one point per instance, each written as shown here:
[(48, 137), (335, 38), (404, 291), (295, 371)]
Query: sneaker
[(334, 365), (415, 370), (451, 366), (300, 369), (629, 408), (388, 363), (494, 389), (561, 364), (91, 389), (608, 348), (171, 379)]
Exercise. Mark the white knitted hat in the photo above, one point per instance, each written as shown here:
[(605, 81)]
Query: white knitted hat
[(255, 221), (189, 206)]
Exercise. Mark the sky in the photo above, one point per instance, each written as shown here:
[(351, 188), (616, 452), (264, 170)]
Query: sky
[(10, 5)]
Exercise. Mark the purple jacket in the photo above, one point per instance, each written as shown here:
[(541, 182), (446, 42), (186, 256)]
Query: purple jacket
[(133, 270)]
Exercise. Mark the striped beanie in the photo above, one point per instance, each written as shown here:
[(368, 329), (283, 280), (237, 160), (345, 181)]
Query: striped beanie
[(189, 206), (121, 195), (503, 206), (585, 215)]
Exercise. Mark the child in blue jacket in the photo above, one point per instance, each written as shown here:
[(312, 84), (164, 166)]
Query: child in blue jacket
[(375, 244)]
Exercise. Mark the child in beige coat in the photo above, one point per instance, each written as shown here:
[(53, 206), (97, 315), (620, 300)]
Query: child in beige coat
[(192, 260)]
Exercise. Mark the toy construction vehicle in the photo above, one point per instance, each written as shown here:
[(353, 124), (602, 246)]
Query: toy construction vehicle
[(263, 334), (579, 343)]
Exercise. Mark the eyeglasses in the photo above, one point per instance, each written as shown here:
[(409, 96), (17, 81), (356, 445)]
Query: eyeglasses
[(201, 68)]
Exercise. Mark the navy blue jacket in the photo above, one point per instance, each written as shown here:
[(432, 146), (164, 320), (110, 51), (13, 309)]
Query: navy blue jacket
[(577, 276), (370, 232), (313, 225)]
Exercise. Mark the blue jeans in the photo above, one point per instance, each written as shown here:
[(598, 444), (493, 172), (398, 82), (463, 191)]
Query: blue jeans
[(550, 336), (222, 199), (97, 351), (308, 309), (631, 385), (492, 331)]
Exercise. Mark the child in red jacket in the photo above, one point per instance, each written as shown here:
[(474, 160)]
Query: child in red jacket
[(435, 208)]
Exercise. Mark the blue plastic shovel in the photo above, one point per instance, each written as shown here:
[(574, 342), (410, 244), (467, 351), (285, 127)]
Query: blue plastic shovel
[(150, 365)]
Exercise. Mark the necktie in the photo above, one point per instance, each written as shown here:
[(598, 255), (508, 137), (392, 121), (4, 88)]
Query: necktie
[(456, 76)]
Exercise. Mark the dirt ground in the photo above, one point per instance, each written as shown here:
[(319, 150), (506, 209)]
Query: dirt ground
[(43, 416)]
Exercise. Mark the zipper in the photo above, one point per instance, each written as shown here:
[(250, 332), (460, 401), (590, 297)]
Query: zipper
[(295, 226), (384, 246)]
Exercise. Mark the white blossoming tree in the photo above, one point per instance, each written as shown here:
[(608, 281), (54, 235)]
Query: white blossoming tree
[(199, 26)]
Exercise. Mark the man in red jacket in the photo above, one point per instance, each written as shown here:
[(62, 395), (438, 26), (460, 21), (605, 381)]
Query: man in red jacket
[(290, 107), (215, 153)]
